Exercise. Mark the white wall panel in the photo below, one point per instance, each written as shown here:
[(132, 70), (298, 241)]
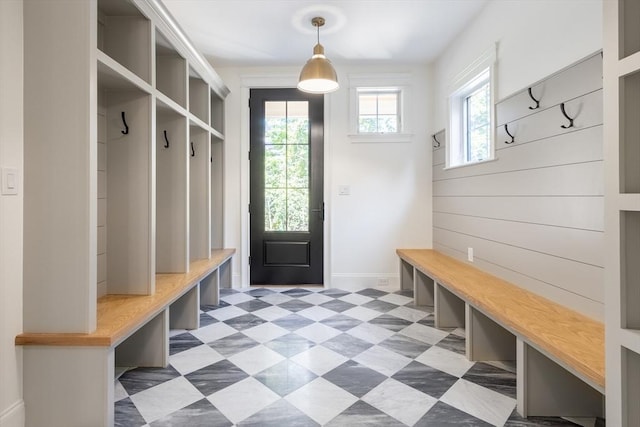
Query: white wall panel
[(569, 243), (583, 179), (575, 147), (574, 212)]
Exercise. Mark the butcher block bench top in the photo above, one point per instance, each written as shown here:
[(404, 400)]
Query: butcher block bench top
[(118, 316), (566, 335)]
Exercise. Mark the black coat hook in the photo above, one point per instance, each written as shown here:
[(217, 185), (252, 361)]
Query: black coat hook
[(564, 113), (193, 151), (166, 140), (437, 143), (126, 127), (537, 101), (506, 129)]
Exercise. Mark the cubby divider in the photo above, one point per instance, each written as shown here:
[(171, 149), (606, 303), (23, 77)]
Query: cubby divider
[(171, 192), (199, 194), (217, 192)]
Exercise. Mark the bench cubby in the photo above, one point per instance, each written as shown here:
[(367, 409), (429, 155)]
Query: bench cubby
[(559, 353)]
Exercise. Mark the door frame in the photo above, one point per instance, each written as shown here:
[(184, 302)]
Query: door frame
[(270, 81)]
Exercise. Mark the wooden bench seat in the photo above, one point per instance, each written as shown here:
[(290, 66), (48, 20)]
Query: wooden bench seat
[(573, 341), (118, 316), (132, 330)]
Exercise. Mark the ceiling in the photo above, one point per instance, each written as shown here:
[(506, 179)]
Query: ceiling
[(279, 32)]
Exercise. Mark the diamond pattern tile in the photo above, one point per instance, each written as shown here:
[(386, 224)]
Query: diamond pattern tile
[(303, 357)]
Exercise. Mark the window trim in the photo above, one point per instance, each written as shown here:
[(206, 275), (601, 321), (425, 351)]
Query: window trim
[(397, 82), (479, 72)]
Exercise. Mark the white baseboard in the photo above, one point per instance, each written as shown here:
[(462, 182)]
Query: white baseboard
[(355, 282), (13, 416)]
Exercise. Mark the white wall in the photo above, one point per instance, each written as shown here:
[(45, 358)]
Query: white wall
[(11, 142), (389, 206), (535, 39), (541, 247)]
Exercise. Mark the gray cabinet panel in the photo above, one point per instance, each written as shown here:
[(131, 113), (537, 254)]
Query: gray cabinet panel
[(570, 243), (583, 179), (584, 213), (572, 82), (575, 147), (585, 110)]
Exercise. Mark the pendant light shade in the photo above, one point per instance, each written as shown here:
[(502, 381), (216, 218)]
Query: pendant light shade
[(318, 75)]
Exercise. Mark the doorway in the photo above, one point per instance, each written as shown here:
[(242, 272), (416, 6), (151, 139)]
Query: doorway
[(286, 187)]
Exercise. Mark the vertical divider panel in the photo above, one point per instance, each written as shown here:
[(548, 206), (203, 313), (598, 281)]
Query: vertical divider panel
[(199, 194), (129, 191), (217, 193), (172, 255)]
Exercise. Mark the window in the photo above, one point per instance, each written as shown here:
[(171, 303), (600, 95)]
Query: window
[(471, 119), (379, 107), (379, 111)]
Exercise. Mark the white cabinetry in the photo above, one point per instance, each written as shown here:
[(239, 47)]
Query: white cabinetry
[(622, 202)]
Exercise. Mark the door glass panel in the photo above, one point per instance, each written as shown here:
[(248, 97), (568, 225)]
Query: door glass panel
[(286, 166)]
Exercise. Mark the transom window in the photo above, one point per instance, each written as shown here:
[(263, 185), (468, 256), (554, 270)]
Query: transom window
[(378, 111)]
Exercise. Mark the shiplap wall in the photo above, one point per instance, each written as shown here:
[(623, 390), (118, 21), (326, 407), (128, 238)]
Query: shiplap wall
[(535, 215)]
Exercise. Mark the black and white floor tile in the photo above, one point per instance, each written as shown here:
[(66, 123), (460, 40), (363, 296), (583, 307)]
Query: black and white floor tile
[(309, 357)]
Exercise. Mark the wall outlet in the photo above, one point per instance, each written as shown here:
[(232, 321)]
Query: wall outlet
[(470, 254), (344, 190), (383, 281)]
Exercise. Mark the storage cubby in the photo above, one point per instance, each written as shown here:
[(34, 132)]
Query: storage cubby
[(217, 192), (629, 29), (631, 387), (630, 133), (630, 268), (198, 97), (217, 113), (171, 71), (171, 191), (124, 34), (128, 189), (199, 191)]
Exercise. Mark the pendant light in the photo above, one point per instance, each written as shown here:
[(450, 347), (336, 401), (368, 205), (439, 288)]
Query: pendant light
[(318, 75)]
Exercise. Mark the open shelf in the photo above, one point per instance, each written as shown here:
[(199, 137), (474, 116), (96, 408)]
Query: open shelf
[(217, 192), (171, 71), (124, 34), (217, 112), (171, 192), (198, 96), (630, 134), (199, 200), (629, 29), (630, 268), (631, 386)]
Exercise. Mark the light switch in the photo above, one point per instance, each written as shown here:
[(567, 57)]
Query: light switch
[(344, 190), (9, 181)]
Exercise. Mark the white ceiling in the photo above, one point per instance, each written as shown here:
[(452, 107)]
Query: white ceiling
[(279, 32)]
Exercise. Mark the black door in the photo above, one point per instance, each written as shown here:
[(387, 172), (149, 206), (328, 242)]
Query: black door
[(286, 206)]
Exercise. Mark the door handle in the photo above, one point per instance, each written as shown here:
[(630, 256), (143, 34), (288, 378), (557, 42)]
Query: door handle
[(320, 210)]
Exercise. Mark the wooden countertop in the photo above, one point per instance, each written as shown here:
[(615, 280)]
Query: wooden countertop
[(572, 338), (118, 316)]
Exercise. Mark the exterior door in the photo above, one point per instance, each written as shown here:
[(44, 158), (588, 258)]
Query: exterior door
[(286, 206)]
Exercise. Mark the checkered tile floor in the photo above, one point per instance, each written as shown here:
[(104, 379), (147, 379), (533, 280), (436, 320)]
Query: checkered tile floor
[(309, 357)]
